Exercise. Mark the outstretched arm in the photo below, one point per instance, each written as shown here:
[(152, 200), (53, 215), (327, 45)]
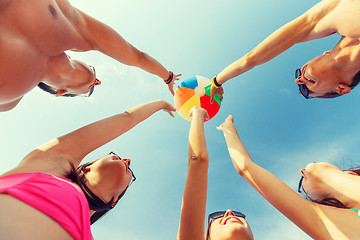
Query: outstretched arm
[(318, 221), (192, 220), (304, 28), (76, 145), (98, 36)]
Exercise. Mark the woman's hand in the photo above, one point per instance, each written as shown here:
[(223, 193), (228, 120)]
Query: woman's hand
[(227, 124), (167, 107)]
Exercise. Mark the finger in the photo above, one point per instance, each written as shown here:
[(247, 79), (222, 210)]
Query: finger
[(171, 114), (207, 116), (230, 118)]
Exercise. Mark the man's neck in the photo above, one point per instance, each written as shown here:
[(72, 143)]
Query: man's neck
[(58, 71)]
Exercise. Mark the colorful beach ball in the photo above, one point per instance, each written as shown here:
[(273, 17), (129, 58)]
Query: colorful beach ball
[(192, 92)]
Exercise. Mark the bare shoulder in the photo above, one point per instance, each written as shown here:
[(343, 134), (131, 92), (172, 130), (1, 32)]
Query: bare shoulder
[(323, 8), (340, 15), (54, 164), (69, 11), (339, 223)]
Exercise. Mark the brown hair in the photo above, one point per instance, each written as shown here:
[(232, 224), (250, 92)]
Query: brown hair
[(95, 203)]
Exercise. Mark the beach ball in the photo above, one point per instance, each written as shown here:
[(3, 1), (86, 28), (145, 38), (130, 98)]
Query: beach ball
[(195, 91)]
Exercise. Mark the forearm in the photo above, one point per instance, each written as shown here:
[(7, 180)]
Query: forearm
[(276, 192), (77, 144), (296, 31), (285, 200), (193, 207), (236, 148)]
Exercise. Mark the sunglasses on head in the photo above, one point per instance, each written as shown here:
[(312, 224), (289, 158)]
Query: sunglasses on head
[(219, 214), (132, 173), (303, 89)]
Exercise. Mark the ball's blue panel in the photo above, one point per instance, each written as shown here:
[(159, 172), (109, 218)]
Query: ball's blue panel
[(189, 83)]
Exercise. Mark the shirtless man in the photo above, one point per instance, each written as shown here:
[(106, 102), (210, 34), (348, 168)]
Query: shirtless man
[(329, 75), (33, 37)]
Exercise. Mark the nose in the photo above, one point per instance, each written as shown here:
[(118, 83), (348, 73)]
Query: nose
[(302, 170), (97, 82), (299, 80), (127, 161), (228, 212)]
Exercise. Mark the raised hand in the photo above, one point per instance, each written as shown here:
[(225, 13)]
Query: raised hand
[(214, 90)]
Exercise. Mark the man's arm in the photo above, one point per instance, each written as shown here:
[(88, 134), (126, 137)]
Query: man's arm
[(98, 36), (302, 29)]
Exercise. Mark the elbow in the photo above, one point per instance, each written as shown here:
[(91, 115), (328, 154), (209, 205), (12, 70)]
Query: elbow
[(250, 60), (242, 163), (201, 157), (138, 59), (131, 119)]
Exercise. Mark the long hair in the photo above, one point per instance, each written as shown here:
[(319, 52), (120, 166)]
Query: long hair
[(95, 203), (330, 201)]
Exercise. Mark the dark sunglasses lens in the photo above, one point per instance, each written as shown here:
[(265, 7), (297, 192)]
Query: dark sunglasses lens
[(297, 73), (300, 184), (239, 214), (91, 91), (215, 215), (132, 173), (94, 71), (219, 214), (304, 90)]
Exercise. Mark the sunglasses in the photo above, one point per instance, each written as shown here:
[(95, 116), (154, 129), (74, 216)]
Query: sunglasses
[(132, 173), (219, 214), (302, 87), (300, 184)]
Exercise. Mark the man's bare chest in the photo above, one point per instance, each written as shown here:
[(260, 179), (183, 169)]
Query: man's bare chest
[(42, 26)]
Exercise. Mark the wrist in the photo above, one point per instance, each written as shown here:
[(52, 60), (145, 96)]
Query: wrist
[(201, 113), (170, 78), (215, 83)]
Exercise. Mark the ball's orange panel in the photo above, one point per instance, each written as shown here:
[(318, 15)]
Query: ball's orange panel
[(184, 110), (182, 94)]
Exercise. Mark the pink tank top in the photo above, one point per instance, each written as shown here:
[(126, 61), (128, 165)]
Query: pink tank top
[(56, 197)]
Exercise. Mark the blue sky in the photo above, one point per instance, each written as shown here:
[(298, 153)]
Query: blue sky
[(281, 130)]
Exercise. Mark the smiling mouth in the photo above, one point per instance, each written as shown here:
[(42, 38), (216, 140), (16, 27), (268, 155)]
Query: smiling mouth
[(233, 219), (306, 76)]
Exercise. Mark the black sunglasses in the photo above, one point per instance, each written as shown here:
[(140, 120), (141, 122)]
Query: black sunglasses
[(300, 184), (132, 173), (302, 87), (219, 214)]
